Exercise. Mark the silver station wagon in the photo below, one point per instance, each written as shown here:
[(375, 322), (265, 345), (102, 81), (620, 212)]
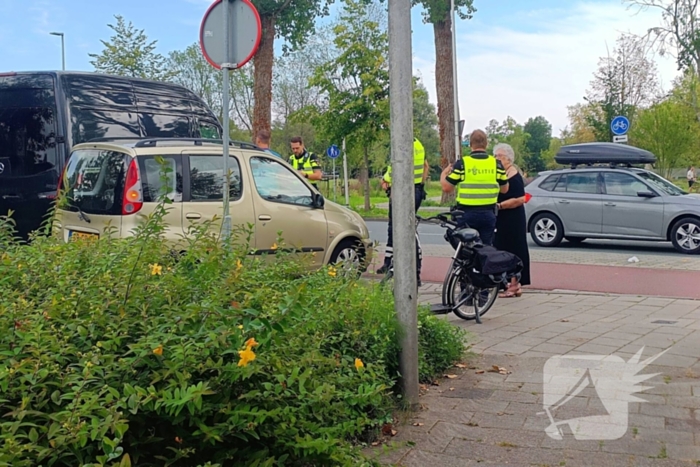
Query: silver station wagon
[(603, 195)]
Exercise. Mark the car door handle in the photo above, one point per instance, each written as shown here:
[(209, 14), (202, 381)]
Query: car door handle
[(610, 204), (264, 217), (193, 215), (563, 201)]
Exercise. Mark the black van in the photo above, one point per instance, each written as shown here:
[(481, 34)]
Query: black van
[(43, 114)]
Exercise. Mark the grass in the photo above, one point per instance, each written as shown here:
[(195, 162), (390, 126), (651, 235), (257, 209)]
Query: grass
[(505, 444), (662, 454)]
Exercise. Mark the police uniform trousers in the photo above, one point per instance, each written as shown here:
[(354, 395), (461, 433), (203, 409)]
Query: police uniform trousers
[(481, 219)]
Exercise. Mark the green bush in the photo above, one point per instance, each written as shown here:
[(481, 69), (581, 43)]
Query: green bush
[(119, 352)]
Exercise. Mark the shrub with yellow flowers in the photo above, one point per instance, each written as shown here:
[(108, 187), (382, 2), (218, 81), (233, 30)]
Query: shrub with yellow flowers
[(120, 352)]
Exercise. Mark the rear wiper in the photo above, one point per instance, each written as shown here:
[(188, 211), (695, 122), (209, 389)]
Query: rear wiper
[(82, 216)]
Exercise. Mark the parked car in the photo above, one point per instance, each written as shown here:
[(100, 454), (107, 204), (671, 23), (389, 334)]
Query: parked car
[(613, 201), (44, 114), (118, 183)]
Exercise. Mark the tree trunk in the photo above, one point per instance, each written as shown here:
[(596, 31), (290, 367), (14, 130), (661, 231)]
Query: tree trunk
[(445, 94), (364, 175), (262, 78), (694, 93)]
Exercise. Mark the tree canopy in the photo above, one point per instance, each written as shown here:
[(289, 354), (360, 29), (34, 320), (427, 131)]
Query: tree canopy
[(129, 53)]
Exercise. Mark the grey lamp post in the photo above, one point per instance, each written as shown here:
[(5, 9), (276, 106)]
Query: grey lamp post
[(63, 49)]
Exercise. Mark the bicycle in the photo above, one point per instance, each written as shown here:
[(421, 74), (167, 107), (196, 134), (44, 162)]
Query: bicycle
[(477, 272), (387, 280)]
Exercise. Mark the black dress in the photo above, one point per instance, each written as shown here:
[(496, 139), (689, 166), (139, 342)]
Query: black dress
[(511, 231)]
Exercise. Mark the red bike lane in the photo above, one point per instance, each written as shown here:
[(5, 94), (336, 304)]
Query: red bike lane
[(587, 278)]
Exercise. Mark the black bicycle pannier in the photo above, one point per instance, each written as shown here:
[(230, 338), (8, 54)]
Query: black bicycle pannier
[(493, 267)]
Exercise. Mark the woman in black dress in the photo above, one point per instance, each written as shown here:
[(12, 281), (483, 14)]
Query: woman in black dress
[(511, 231)]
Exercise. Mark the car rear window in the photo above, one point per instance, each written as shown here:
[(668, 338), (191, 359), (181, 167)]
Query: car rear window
[(94, 181), (28, 131), (549, 183)]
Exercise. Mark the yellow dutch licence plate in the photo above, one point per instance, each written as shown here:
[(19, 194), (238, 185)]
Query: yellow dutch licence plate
[(79, 236)]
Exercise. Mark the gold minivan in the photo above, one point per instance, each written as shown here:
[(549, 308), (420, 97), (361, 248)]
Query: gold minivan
[(112, 185)]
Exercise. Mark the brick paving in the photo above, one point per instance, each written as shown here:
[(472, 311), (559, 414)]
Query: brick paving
[(487, 418)]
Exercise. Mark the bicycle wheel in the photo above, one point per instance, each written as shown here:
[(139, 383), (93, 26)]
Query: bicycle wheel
[(461, 294)]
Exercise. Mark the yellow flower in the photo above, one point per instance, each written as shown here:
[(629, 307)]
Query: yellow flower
[(240, 326), (250, 343), (156, 269), (158, 350), (332, 272), (246, 355), (274, 246), (359, 364), (239, 265)]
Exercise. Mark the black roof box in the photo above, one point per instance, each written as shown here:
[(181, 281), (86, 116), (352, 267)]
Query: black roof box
[(603, 153)]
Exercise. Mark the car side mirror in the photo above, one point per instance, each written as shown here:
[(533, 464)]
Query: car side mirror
[(317, 201), (646, 194)]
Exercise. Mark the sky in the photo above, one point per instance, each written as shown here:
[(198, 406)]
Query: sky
[(518, 58)]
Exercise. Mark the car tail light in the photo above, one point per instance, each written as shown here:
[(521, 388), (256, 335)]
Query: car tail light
[(133, 195), (528, 197)]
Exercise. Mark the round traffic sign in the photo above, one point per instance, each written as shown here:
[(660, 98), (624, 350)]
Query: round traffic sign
[(245, 31), (333, 151), (619, 125)]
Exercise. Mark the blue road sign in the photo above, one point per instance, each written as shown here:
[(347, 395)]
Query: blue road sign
[(333, 151), (619, 125)]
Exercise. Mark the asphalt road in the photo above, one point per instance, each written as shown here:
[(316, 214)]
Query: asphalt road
[(434, 235)]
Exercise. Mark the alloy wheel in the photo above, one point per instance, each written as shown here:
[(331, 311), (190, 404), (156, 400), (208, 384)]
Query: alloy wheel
[(688, 236), (546, 230)]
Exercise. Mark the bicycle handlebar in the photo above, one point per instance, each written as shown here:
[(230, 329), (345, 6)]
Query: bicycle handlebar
[(442, 217)]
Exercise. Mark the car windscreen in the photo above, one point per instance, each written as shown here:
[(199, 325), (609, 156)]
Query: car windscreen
[(28, 140), (661, 184), (94, 181)]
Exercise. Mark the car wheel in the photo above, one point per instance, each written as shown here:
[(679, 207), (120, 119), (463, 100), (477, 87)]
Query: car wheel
[(348, 255), (547, 230), (685, 236), (576, 240)]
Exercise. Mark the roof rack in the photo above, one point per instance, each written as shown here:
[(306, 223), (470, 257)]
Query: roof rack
[(113, 138), (613, 154), (153, 142), (150, 142), (612, 165)]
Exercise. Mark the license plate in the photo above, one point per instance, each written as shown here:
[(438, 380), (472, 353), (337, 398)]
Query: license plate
[(82, 236)]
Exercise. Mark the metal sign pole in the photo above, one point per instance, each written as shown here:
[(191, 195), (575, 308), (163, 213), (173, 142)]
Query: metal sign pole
[(458, 136), (226, 230), (345, 175), (335, 182), (402, 195)]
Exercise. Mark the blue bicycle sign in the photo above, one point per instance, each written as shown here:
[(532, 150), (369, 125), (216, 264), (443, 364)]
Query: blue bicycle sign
[(619, 125)]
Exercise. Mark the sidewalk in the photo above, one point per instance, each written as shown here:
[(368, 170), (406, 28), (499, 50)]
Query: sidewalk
[(481, 418)]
